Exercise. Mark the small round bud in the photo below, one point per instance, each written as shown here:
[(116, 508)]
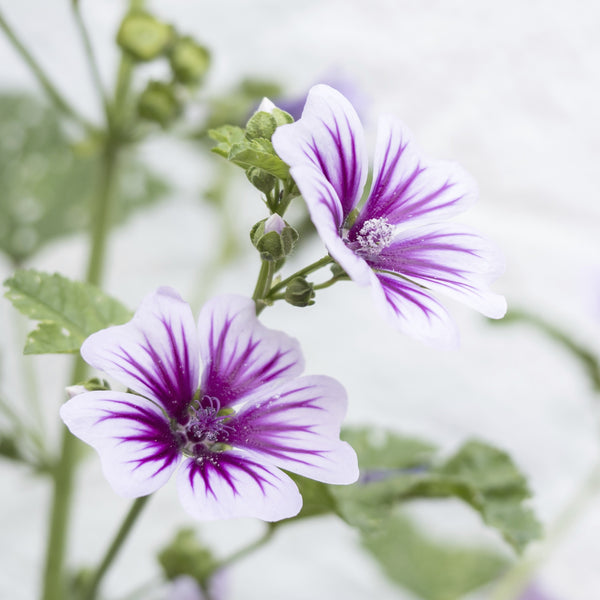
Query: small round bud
[(144, 37), (300, 292), (159, 103), (273, 238), (189, 61)]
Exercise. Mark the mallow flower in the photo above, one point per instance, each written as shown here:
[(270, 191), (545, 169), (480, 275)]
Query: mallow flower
[(228, 430), (399, 242)]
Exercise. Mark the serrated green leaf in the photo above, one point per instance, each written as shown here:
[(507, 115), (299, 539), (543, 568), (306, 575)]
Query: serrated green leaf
[(68, 311), (258, 153), (226, 136), (432, 570), (48, 182), (395, 469)]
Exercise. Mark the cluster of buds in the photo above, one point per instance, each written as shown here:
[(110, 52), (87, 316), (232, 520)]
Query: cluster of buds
[(144, 39)]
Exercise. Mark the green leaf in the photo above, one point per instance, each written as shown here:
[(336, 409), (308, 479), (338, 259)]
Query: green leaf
[(432, 570), (258, 153), (396, 469), (497, 490), (48, 182), (317, 498), (68, 311), (226, 136)]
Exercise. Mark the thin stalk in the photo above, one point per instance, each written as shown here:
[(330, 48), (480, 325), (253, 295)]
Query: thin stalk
[(55, 96), (91, 58), (250, 548), (113, 549), (65, 469), (263, 285), (322, 262), (518, 578)]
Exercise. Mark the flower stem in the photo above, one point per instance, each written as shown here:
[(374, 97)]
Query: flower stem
[(246, 550), (54, 95), (65, 469), (113, 549), (322, 262), (518, 578), (263, 285)]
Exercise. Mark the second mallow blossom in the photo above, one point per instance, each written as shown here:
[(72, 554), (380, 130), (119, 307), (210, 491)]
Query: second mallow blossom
[(230, 429), (399, 242)]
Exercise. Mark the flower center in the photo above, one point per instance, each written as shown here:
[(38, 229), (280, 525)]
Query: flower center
[(206, 428), (374, 236)]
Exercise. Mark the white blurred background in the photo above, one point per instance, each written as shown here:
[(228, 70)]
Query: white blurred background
[(512, 91)]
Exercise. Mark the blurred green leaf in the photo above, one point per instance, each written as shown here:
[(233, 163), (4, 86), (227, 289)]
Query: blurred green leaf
[(430, 569), (48, 183), (258, 153), (226, 136), (68, 311)]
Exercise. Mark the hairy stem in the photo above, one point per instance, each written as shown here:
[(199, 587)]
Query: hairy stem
[(322, 262), (113, 549)]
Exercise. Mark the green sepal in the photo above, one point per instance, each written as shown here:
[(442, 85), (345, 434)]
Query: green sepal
[(189, 60), (261, 180), (159, 103), (300, 292), (186, 555), (144, 37), (281, 117), (68, 311)]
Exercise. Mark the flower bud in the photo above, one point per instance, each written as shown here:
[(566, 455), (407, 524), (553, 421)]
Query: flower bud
[(144, 37), (189, 61), (261, 125), (273, 238), (159, 103), (300, 292)]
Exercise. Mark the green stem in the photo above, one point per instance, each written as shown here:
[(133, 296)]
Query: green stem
[(263, 285), (322, 262), (65, 469), (54, 95), (246, 550), (518, 578), (89, 52), (113, 549)]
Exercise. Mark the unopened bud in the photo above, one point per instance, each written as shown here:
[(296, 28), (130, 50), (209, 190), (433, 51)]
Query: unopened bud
[(300, 292), (144, 37), (273, 238), (159, 103), (261, 180), (189, 60)]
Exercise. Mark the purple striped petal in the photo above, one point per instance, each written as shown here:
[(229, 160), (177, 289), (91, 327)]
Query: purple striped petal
[(412, 310), (329, 137), (408, 188), (132, 436), (320, 197), (298, 430), (448, 259), (155, 354), (229, 485), (242, 358)]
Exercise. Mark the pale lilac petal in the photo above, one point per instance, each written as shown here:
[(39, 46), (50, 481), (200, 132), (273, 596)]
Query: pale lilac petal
[(298, 430), (155, 354), (406, 187), (329, 137), (319, 197), (130, 433), (229, 485), (242, 358), (412, 310), (449, 259)]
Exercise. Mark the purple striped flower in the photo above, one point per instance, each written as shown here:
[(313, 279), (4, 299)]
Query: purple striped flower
[(230, 429), (397, 242)]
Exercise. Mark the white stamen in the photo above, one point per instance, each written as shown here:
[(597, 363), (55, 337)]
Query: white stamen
[(375, 235)]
